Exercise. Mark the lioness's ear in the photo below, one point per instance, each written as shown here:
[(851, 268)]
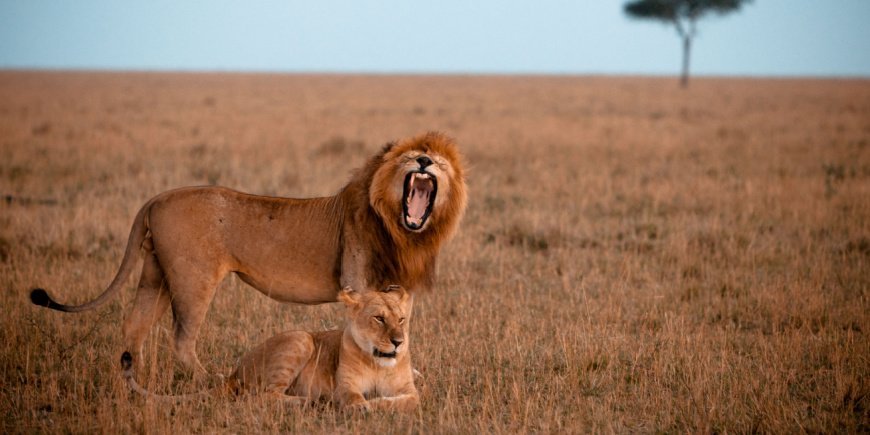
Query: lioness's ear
[(349, 296), (399, 290)]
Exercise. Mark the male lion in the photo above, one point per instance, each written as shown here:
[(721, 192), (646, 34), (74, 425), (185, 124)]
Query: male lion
[(364, 366), (384, 227)]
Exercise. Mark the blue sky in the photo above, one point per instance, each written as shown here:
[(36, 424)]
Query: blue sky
[(768, 37)]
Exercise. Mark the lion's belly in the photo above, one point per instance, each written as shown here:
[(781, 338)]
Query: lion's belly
[(288, 249), (304, 287)]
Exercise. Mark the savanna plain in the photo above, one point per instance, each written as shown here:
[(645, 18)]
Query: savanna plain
[(634, 257)]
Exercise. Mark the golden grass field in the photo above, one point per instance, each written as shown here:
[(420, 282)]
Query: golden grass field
[(635, 257)]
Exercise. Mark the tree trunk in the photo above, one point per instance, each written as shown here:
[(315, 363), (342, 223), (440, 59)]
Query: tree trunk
[(687, 47)]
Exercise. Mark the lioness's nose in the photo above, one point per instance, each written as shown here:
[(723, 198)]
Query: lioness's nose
[(424, 161), (397, 341)]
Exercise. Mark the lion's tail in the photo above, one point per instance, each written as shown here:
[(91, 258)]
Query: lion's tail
[(138, 234), (129, 376)]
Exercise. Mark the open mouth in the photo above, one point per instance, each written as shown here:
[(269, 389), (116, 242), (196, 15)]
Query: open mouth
[(379, 354), (419, 196)]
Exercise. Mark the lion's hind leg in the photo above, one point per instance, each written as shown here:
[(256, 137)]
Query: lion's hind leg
[(272, 367), (152, 300), (192, 286)]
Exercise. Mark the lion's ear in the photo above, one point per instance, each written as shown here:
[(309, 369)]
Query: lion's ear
[(399, 290), (387, 147), (349, 296)]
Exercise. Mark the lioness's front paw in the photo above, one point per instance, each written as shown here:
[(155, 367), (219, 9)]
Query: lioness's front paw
[(361, 408)]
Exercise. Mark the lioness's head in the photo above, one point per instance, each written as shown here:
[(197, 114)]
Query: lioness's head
[(378, 321), (420, 184)]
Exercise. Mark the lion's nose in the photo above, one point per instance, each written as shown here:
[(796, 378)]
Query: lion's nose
[(397, 341), (424, 161)]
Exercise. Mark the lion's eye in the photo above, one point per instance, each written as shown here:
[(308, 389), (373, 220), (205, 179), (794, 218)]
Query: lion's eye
[(379, 319), (440, 161), (402, 321)]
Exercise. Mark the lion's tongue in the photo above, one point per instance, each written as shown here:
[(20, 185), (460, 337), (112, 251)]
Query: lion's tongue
[(417, 205)]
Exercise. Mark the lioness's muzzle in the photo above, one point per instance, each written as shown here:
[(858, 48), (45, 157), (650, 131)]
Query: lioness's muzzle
[(380, 354)]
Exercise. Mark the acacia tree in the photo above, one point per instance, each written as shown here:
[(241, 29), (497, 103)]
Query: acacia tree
[(683, 14)]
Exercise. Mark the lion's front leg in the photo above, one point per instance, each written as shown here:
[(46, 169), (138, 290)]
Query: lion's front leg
[(355, 261), (352, 398), (403, 402)]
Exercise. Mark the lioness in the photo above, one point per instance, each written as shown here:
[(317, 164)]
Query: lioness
[(385, 226), (366, 365)]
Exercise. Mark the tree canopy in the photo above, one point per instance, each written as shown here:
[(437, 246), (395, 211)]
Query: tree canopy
[(673, 10), (683, 14)]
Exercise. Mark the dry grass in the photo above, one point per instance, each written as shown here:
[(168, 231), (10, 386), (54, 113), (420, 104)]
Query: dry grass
[(635, 258)]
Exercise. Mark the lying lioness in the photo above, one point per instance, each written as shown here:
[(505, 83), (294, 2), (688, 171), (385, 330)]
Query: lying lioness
[(365, 366)]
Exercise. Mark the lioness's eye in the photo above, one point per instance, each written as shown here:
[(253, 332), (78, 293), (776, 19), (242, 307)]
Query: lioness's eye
[(380, 319), (402, 320)]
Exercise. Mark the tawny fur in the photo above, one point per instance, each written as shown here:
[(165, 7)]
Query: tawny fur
[(293, 250), (339, 366)]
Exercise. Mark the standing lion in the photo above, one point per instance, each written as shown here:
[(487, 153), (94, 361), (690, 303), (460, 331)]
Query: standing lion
[(385, 226)]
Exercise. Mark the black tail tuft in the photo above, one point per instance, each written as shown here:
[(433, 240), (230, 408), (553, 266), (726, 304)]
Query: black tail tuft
[(40, 297), (126, 360)]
